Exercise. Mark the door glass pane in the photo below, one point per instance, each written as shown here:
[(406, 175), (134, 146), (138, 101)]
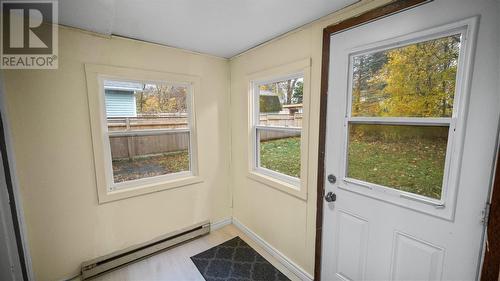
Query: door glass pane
[(144, 156), (279, 151), (280, 103), (407, 158), (416, 80)]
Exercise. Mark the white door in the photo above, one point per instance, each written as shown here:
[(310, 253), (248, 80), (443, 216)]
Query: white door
[(412, 117)]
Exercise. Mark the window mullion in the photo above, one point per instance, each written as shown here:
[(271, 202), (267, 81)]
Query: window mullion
[(278, 168), (146, 132), (273, 128), (417, 121)]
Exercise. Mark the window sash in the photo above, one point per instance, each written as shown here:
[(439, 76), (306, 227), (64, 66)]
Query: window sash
[(131, 184), (451, 122), (257, 167), (416, 121), (255, 121), (276, 128), (403, 121), (256, 93), (154, 179), (150, 132)]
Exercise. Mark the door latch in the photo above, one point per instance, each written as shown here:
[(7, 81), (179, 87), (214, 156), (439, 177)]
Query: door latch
[(330, 197), (332, 178)]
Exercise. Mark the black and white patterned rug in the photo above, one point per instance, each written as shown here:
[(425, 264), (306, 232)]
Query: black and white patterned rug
[(235, 260)]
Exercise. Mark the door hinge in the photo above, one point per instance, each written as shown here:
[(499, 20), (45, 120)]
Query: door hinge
[(486, 214)]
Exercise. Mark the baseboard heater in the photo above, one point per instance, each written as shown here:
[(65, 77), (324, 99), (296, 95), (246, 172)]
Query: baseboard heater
[(101, 265)]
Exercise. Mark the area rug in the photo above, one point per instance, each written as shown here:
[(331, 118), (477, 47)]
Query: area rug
[(235, 260)]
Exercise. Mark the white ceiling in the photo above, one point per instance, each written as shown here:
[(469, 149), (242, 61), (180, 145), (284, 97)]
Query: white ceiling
[(218, 27)]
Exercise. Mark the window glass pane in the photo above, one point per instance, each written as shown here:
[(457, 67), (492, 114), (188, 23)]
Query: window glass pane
[(416, 80), (143, 120), (135, 106), (143, 156), (280, 151), (407, 158), (280, 103)]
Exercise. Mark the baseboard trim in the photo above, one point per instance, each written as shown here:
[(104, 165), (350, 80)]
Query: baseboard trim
[(220, 223), (285, 261)]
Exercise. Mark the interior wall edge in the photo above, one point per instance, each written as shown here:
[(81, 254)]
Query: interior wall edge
[(298, 243), (220, 223)]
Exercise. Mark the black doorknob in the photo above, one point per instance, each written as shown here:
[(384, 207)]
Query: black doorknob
[(332, 179), (330, 197)]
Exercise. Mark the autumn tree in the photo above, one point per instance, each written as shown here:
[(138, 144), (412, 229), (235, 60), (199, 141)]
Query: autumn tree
[(420, 78), (366, 92), (284, 89), (298, 92), (154, 99), (140, 98), (417, 80)]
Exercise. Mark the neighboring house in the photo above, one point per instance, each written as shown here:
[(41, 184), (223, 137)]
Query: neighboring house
[(292, 108), (120, 98), (268, 100)]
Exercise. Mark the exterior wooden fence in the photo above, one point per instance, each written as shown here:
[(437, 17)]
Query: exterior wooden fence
[(172, 121), (281, 120), (265, 135), (131, 146), (136, 146)]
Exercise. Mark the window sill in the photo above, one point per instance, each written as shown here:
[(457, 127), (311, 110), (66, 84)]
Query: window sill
[(283, 186), (119, 194)]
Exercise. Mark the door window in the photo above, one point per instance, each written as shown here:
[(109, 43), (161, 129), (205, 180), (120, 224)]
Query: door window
[(401, 113)]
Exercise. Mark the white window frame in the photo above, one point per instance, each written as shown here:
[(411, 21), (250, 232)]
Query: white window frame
[(256, 127), (445, 206), (291, 185), (107, 189)]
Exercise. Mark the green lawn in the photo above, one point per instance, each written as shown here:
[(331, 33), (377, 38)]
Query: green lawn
[(281, 155), (413, 165)]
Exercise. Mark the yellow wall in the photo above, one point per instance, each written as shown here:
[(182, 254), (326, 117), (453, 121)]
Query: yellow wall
[(49, 120), (286, 222), (50, 127)]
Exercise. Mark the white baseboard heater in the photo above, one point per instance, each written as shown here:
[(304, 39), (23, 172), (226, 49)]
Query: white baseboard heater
[(101, 265)]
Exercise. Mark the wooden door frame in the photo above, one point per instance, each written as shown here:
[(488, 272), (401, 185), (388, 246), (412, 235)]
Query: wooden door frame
[(490, 270), (491, 262)]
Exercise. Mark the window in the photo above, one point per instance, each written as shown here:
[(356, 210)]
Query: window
[(148, 128), (277, 127), (402, 115), (143, 130)]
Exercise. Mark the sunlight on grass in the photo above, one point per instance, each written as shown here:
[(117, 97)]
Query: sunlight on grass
[(281, 155)]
